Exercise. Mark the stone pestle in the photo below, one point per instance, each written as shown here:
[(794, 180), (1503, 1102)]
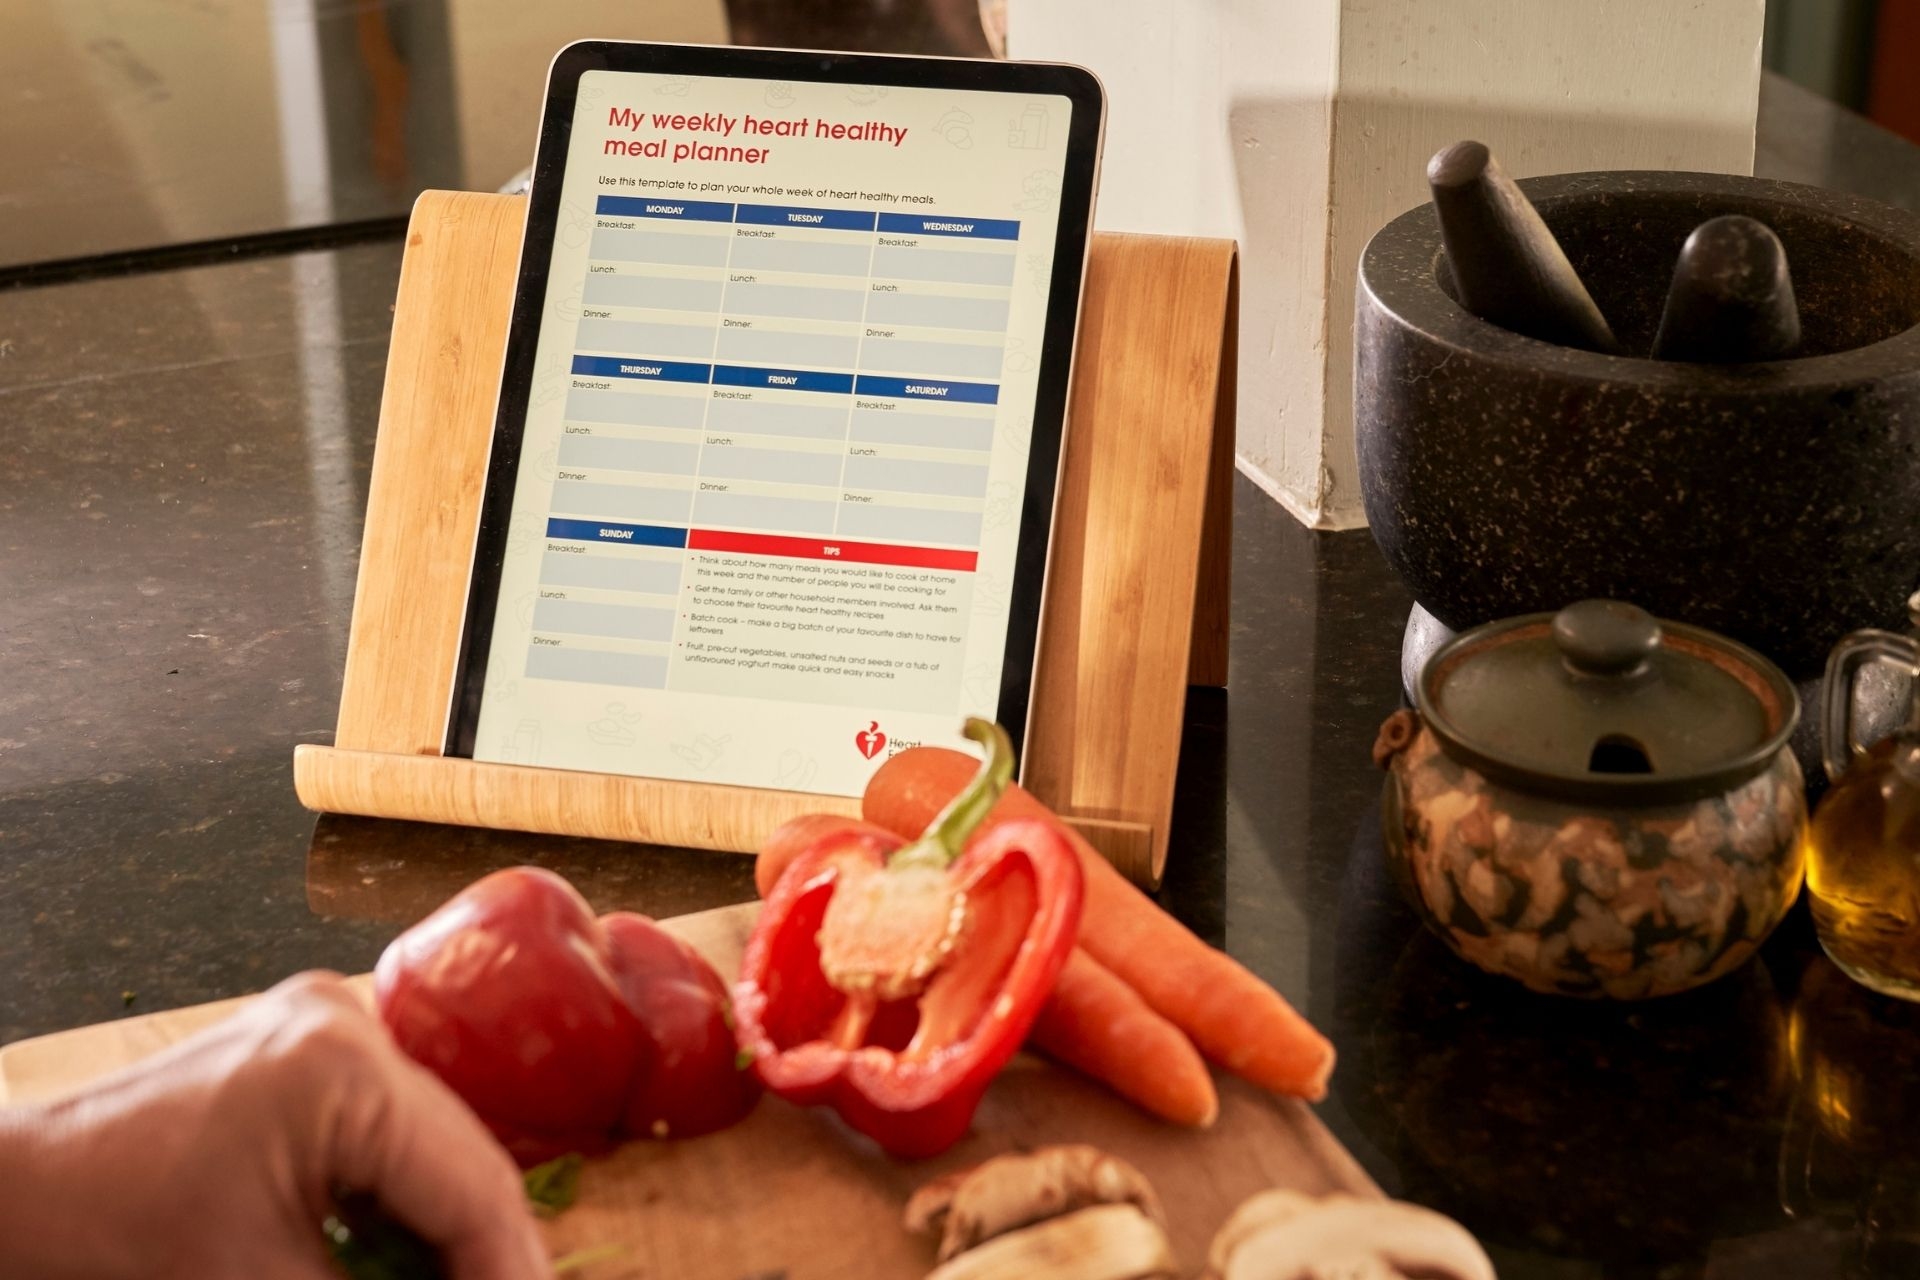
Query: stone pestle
[(1731, 300), (1507, 267)]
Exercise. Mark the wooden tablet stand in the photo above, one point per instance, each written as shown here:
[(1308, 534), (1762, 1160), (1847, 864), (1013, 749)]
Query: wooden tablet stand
[(1136, 602)]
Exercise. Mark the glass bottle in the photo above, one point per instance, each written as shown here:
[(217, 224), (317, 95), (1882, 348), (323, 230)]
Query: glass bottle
[(1863, 864)]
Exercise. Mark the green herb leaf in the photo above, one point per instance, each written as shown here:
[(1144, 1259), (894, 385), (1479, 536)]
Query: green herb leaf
[(555, 1185), (742, 1059)]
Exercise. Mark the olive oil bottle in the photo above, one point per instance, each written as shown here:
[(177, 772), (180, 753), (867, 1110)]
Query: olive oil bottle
[(1863, 869), (1863, 860)]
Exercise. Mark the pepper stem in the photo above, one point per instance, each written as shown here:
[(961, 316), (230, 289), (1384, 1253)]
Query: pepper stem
[(954, 825)]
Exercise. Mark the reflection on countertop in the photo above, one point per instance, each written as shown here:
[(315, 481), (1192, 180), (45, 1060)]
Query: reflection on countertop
[(367, 869)]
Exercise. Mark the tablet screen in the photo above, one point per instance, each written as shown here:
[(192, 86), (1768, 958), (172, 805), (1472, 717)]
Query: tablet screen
[(771, 476)]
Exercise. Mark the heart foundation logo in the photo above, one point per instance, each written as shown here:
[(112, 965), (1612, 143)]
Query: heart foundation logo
[(870, 740)]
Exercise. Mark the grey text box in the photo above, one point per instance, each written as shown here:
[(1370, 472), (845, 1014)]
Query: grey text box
[(900, 355), (619, 245), (778, 418), (620, 501), (897, 262), (796, 302), (777, 465), (935, 431), (937, 311), (668, 293), (595, 666), (635, 408), (628, 455), (772, 346), (914, 524), (755, 254), (639, 338), (614, 621), (610, 573), (916, 475), (751, 511)]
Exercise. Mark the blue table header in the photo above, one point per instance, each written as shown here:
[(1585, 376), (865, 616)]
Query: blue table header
[(649, 207), (637, 535), (633, 367), (928, 389), (780, 215), (916, 224), (733, 375)]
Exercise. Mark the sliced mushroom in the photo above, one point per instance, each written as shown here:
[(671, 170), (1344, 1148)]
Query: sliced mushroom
[(1284, 1235), (1013, 1191), (1107, 1242)]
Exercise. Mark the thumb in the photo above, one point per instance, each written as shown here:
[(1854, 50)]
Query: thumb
[(435, 1168)]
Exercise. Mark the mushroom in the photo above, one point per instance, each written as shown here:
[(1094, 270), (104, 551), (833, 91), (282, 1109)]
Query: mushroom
[(1106, 1242), (1284, 1235), (1012, 1191), (1062, 1213)]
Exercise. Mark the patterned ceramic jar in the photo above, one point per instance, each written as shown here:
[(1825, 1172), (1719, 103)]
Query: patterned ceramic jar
[(1595, 803)]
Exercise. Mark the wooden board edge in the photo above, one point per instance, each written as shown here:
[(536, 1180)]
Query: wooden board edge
[(451, 313), (1212, 609), (1197, 275), (1128, 846), (603, 806), (1212, 545), (1211, 264)]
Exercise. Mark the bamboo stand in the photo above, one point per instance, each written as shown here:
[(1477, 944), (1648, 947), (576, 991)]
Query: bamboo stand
[(1136, 594)]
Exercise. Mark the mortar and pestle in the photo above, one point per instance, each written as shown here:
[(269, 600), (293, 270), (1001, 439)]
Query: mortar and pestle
[(1520, 448)]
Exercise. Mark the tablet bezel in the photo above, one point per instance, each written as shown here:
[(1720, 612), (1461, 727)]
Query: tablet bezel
[(1039, 502)]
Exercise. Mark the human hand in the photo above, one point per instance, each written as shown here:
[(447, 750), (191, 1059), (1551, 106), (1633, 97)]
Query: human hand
[(220, 1157)]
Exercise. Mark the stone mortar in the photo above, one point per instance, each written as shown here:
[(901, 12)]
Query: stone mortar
[(1778, 503)]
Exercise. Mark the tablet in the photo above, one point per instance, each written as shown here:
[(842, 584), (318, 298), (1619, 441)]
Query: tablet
[(780, 423)]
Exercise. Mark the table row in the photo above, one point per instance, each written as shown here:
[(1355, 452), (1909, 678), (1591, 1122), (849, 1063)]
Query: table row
[(736, 294), (796, 416), (846, 347), (772, 507)]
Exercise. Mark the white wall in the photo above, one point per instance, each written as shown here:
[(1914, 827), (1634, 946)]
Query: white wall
[(1299, 127)]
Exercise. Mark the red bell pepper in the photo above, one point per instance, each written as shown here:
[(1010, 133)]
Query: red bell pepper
[(562, 1032), (694, 1082), (892, 981)]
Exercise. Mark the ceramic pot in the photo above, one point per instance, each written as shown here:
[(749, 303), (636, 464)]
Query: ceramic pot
[(1595, 803), (1880, 700), (1776, 503)]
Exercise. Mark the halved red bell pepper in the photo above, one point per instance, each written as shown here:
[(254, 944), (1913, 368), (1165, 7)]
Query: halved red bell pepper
[(892, 981)]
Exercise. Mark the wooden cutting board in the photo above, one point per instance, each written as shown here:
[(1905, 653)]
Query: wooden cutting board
[(790, 1194)]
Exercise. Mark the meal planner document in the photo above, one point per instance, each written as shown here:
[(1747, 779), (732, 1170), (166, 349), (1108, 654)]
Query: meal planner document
[(769, 495)]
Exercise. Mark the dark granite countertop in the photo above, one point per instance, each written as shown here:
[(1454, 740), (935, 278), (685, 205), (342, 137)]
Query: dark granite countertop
[(183, 460)]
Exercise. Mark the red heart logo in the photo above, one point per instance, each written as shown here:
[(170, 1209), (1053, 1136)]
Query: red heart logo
[(870, 740)]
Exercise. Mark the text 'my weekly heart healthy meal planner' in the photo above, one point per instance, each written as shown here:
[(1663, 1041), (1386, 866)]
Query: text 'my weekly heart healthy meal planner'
[(769, 495)]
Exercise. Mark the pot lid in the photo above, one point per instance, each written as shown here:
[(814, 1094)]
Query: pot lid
[(1603, 703)]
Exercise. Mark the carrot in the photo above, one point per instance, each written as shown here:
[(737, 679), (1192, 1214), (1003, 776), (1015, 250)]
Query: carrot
[(1098, 1025), (1234, 1018), (796, 835)]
